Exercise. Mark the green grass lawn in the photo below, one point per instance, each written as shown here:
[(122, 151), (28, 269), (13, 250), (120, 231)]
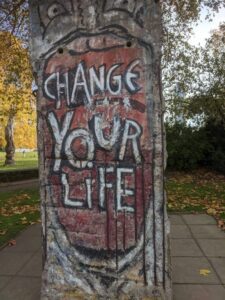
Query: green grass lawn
[(197, 191), (27, 160), (18, 209)]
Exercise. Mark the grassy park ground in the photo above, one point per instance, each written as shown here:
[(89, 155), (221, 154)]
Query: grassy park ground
[(18, 209), (195, 192), (26, 160)]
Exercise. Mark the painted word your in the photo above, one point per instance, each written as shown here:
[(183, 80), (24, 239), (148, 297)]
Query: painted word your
[(63, 139)]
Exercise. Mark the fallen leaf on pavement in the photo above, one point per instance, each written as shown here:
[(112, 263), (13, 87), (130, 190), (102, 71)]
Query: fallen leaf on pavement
[(12, 243), (221, 224), (204, 272)]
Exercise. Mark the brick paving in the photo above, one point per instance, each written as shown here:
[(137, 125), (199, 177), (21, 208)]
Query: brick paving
[(196, 244)]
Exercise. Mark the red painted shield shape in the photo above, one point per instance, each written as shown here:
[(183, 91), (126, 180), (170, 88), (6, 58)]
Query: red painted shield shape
[(97, 144)]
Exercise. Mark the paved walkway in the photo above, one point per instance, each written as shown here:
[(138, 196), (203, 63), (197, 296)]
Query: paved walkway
[(15, 185), (197, 244)]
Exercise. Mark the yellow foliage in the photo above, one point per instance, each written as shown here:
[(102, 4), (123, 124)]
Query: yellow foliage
[(25, 131), (16, 99)]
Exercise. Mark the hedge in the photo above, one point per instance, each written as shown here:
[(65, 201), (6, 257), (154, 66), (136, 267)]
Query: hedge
[(18, 175)]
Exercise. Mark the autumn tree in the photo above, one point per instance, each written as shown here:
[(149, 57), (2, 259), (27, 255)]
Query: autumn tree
[(181, 62), (14, 17), (209, 95), (203, 99), (178, 17), (16, 98)]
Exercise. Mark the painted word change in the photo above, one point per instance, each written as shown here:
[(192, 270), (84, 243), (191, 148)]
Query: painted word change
[(81, 84)]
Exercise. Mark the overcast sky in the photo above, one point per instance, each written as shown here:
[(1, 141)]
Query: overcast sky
[(202, 31)]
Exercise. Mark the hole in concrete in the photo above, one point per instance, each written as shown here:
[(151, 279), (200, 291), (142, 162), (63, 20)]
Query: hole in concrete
[(129, 44), (60, 50)]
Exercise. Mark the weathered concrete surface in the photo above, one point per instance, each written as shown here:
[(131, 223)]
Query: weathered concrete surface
[(100, 136)]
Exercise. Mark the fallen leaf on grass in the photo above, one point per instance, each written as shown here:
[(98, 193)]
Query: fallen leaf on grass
[(24, 222), (3, 232), (12, 243), (18, 210), (198, 191), (21, 197), (211, 211), (32, 223), (204, 272)]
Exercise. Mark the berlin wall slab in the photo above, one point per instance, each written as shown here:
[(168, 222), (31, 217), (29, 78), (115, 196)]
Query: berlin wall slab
[(101, 140)]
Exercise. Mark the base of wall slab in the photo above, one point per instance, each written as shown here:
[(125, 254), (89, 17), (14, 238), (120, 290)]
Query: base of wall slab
[(153, 293)]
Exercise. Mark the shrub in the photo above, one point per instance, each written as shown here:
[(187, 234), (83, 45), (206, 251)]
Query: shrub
[(185, 146)]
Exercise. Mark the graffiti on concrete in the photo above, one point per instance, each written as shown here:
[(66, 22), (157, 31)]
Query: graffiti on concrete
[(134, 9), (98, 147), (56, 9), (89, 87)]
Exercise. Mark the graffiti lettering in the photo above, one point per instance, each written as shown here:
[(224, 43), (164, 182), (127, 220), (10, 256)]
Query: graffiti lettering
[(74, 202), (104, 228), (115, 81), (88, 82), (95, 81), (134, 137), (88, 139), (121, 192), (59, 135), (98, 125), (99, 145), (80, 81), (104, 184)]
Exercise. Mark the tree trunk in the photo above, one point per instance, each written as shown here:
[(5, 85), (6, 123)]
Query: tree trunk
[(10, 147)]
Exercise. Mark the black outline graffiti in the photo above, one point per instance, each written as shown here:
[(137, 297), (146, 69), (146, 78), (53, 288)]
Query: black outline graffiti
[(121, 33), (137, 88), (136, 14), (114, 30), (51, 19), (109, 87), (66, 163)]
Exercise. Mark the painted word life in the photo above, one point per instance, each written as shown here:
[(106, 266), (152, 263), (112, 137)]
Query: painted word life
[(120, 190), (79, 85)]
